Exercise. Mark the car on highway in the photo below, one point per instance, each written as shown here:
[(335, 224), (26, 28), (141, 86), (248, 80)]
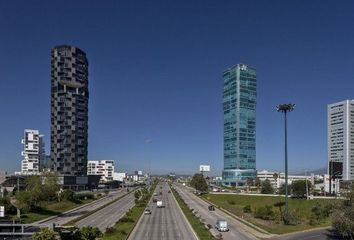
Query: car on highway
[(159, 204), (221, 226), (147, 212), (155, 194), (169, 191), (211, 208)]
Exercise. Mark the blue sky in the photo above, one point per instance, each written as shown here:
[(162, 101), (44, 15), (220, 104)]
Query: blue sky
[(155, 73)]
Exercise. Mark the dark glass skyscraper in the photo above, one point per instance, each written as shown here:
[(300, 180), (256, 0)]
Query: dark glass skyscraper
[(69, 110), (239, 103)]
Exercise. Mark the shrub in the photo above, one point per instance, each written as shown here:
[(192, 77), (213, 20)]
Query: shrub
[(83, 195), (110, 230), (247, 209), (265, 213), (231, 202), (293, 218), (126, 219), (67, 195)]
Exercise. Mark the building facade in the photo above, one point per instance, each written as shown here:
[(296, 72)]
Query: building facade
[(340, 138), (33, 152), (69, 111), (277, 179), (105, 168), (239, 105)]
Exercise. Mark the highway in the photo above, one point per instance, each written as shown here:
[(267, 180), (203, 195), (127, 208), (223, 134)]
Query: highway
[(168, 223), (109, 215), (79, 211), (237, 230)]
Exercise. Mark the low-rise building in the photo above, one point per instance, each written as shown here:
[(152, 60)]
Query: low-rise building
[(105, 168), (278, 178)]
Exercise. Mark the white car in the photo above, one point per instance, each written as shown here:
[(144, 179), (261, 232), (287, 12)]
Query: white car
[(221, 226)]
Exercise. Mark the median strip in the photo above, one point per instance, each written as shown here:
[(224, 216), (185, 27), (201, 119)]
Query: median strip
[(124, 227), (199, 228)]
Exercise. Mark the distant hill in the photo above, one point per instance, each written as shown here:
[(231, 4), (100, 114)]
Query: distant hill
[(319, 171)]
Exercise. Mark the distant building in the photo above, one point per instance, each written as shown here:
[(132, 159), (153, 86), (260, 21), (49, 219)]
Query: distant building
[(341, 140), (2, 176), (46, 163), (33, 152), (105, 168), (239, 105), (278, 178), (69, 111)]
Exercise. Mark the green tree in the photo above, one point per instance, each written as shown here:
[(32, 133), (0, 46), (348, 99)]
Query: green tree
[(343, 216), (9, 208), (38, 188), (281, 190), (90, 233), (199, 182), (67, 194), (267, 187), (298, 188), (44, 234), (257, 182), (49, 185), (250, 182)]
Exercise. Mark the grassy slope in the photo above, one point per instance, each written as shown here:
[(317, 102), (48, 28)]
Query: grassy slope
[(50, 209), (301, 205)]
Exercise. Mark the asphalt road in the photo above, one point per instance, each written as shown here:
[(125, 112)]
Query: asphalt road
[(166, 223), (109, 215), (77, 212), (237, 229)]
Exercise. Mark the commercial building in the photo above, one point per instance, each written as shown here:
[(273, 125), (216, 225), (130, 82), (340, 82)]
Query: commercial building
[(278, 178), (33, 152), (341, 140), (105, 168), (239, 104), (69, 111)]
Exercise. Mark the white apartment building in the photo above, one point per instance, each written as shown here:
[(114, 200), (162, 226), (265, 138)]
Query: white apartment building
[(278, 178), (340, 136), (101, 167), (33, 152)]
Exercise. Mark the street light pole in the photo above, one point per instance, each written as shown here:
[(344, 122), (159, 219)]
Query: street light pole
[(285, 108)]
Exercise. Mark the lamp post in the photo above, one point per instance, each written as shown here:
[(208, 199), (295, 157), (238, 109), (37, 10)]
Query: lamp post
[(285, 108)]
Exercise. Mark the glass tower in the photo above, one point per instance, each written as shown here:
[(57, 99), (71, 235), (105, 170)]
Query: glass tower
[(239, 104)]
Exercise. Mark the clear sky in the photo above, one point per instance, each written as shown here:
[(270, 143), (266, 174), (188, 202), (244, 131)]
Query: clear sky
[(155, 72)]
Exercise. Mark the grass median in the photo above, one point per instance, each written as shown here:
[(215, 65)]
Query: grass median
[(302, 208), (199, 228), (123, 228)]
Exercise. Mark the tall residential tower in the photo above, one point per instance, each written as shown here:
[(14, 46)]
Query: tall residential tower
[(69, 110), (239, 104), (341, 140), (33, 152)]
